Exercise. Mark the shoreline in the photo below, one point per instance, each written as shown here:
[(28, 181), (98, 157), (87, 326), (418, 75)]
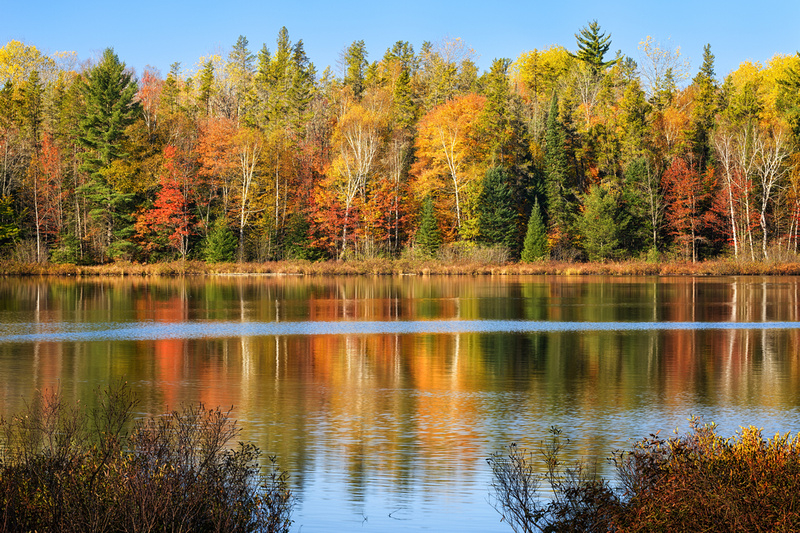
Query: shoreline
[(402, 267)]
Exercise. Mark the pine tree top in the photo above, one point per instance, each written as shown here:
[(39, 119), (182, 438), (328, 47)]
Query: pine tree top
[(592, 46)]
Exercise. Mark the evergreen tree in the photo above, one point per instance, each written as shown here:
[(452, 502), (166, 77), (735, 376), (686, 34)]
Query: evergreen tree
[(221, 243), (496, 119), (33, 111), (497, 217), (355, 67), (170, 92), (704, 110), (297, 240), (599, 224), (556, 169), (401, 56), (240, 69), (535, 246), (302, 86), (593, 46), (9, 226), (109, 93), (636, 203), (403, 100), (429, 236), (206, 88)]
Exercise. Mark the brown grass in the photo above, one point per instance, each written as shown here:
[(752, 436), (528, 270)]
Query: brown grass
[(405, 266)]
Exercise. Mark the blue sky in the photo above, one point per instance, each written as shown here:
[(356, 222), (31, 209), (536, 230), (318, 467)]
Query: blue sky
[(158, 33)]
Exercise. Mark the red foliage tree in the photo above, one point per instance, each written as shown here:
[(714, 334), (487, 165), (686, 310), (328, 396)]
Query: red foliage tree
[(168, 223), (688, 194)]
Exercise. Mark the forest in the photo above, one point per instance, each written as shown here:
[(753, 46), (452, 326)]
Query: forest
[(569, 154)]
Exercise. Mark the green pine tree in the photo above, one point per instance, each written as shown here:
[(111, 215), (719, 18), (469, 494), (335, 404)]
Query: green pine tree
[(355, 64), (598, 223), (109, 93), (593, 46), (556, 169), (221, 243), (704, 111), (429, 236), (497, 216), (206, 88), (535, 246)]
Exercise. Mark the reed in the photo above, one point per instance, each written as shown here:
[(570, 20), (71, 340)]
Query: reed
[(479, 264)]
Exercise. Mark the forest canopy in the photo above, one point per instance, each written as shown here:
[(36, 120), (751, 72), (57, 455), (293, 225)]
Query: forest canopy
[(570, 152)]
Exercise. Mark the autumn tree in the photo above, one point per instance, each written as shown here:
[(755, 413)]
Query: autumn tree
[(46, 195), (535, 76), (358, 138), (447, 154), (661, 69), (770, 147), (217, 172), (789, 97), (168, 224), (149, 96), (446, 70), (18, 61), (248, 145), (688, 195)]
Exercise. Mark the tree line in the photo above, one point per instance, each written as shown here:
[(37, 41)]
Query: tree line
[(256, 156)]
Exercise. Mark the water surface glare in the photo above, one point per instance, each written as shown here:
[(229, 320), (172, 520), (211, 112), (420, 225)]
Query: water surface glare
[(138, 331)]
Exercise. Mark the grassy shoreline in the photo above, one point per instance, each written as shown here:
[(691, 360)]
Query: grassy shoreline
[(403, 267)]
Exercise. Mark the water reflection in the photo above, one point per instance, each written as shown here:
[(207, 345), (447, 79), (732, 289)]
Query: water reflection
[(393, 425)]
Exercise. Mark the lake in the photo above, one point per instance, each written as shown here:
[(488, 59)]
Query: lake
[(383, 396)]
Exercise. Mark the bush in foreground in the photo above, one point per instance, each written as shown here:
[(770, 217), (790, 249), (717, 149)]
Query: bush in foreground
[(695, 482), (70, 469)]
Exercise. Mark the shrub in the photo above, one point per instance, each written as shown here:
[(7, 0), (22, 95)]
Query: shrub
[(68, 469), (695, 482)]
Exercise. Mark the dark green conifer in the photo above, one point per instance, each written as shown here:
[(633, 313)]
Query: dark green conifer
[(109, 93), (497, 216), (221, 243), (593, 46), (429, 236), (556, 168), (704, 110), (355, 67), (535, 246)]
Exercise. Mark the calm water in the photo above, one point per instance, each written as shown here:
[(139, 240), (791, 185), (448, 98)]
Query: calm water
[(384, 396)]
